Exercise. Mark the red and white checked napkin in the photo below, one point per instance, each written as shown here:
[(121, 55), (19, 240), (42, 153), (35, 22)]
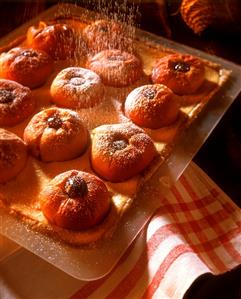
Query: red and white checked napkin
[(195, 230)]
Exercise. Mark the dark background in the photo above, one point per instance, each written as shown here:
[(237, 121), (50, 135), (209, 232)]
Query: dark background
[(220, 156)]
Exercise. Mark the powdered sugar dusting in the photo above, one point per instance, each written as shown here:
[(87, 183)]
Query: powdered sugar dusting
[(108, 111), (76, 87)]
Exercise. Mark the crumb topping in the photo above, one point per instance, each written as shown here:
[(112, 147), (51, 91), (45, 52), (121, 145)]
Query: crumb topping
[(77, 81), (149, 93), (181, 66), (114, 57), (120, 144), (6, 96), (103, 28), (54, 121), (29, 53), (75, 187)]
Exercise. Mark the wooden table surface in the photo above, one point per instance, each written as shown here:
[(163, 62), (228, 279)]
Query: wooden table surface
[(220, 156)]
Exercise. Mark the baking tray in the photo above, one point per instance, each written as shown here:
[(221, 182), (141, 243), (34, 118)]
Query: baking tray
[(94, 263)]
